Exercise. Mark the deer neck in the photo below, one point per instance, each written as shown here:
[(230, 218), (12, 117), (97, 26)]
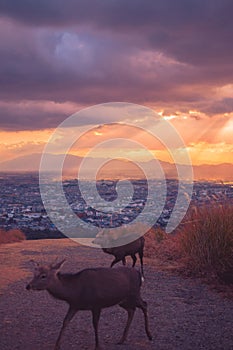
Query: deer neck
[(59, 289), (107, 250)]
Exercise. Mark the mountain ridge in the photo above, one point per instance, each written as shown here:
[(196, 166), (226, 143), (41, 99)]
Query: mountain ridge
[(155, 168)]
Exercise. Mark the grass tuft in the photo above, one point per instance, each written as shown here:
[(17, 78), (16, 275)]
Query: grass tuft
[(202, 245), (11, 236), (163, 247), (206, 239)]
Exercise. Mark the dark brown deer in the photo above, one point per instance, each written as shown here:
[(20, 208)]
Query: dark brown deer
[(93, 289), (129, 249)]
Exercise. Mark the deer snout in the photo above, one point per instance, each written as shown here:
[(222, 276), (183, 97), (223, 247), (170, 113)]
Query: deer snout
[(28, 287), (95, 241)]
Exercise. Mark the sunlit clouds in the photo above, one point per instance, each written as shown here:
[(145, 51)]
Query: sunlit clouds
[(173, 57), (208, 141)]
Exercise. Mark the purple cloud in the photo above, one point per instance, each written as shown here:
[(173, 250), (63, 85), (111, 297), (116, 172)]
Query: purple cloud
[(87, 52)]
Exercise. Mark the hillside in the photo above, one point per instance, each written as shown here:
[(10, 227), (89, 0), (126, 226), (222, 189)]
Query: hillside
[(183, 313)]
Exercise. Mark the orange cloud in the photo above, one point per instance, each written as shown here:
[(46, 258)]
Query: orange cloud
[(15, 144), (208, 140)]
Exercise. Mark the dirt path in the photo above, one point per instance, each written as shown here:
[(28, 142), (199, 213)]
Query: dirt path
[(183, 313)]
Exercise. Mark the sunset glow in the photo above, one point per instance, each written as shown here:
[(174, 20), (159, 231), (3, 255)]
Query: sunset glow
[(174, 62), (205, 144)]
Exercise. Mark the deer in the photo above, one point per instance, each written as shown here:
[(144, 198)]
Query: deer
[(92, 289), (120, 252)]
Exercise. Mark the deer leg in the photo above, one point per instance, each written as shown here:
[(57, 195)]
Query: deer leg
[(141, 304), (124, 261), (133, 256), (129, 320), (141, 260), (116, 260), (95, 321), (70, 314)]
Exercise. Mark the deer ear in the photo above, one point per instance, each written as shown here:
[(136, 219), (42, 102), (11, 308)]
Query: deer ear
[(58, 265), (35, 264)]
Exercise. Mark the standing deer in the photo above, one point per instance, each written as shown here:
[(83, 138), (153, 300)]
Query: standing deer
[(129, 249), (92, 289)]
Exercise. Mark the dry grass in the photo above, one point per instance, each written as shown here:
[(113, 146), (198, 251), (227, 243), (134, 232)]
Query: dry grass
[(163, 249), (202, 246), (11, 236), (206, 239)]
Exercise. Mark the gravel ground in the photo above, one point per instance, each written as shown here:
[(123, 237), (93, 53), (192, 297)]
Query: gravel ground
[(183, 313)]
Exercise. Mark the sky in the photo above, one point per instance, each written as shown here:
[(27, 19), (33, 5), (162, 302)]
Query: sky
[(59, 56)]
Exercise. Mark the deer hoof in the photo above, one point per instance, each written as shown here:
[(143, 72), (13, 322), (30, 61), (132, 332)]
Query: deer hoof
[(150, 337)]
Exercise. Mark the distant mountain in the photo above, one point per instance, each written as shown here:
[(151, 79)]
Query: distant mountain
[(222, 172), (117, 168), (32, 162)]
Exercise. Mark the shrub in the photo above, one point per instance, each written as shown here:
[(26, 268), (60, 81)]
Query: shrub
[(206, 239), (162, 246), (11, 236)]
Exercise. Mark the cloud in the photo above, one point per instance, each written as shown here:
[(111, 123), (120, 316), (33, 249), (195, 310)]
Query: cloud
[(169, 55), (192, 31), (17, 149), (31, 115), (87, 67), (224, 105)]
